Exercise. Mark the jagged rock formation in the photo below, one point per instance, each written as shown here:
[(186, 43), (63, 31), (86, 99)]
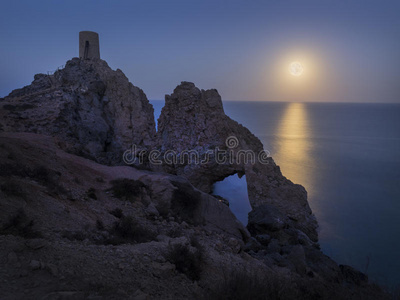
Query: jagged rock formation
[(194, 119), (91, 109), (72, 227)]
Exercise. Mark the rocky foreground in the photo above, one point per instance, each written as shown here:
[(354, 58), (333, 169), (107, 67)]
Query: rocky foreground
[(77, 223)]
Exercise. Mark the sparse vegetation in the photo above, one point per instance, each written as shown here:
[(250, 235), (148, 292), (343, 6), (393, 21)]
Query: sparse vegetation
[(100, 225), (91, 193), (19, 224), (175, 232), (74, 235), (40, 174), (100, 179), (117, 213), (128, 230), (12, 187), (187, 260), (13, 169), (21, 107), (125, 231), (11, 156), (48, 179), (194, 242), (126, 189)]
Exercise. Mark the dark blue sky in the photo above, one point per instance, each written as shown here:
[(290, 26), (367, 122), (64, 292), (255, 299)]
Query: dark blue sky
[(351, 48)]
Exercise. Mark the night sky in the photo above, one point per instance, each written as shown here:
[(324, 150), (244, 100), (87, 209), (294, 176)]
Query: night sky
[(350, 49)]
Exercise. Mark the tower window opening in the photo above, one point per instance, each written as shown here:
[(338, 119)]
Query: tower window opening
[(85, 56)]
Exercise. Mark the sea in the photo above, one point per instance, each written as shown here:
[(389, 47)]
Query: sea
[(347, 156)]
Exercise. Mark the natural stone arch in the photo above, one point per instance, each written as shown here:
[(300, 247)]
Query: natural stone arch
[(194, 119)]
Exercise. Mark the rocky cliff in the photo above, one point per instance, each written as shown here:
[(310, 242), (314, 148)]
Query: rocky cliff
[(194, 119), (75, 224), (92, 110)]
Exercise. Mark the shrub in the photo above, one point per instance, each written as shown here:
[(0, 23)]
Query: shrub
[(11, 156), (175, 232), (194, 242), (117, 213), (100, 179), (126, 189), (21, 107), (74, 235), (128, 230), (100, 225), (12, 169), (48, 179), (41, 174), (91, 193), (12, 188), (186, 260), (19, 224)]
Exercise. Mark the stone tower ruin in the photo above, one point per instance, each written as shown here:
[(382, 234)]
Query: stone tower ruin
[(89, 46)]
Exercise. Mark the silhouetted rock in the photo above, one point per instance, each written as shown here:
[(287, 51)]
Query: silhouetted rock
[(71, 227), (194, 119), (91, 109)]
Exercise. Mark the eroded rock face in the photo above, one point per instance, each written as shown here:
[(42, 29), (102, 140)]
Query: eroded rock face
[(93, 110), (96, 112), (194, 120)]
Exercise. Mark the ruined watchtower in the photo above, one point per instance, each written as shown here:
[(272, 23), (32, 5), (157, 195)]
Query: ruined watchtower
[(89, 45)]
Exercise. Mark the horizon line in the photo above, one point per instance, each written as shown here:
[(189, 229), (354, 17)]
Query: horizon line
[(277, 101)]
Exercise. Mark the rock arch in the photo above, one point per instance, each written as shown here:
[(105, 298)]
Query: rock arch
[(234, 190), (194, 119)]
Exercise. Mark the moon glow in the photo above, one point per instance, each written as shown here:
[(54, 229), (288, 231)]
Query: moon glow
[(296, 68)]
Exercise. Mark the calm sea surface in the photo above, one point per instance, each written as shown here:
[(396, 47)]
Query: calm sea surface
[(347, 156)]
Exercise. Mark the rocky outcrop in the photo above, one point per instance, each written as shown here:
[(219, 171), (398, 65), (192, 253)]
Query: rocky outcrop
[(91, 109), (73, 228), (194, 119), (96, 112)]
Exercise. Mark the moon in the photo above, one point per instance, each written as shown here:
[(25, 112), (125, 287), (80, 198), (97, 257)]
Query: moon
[(296, 68)]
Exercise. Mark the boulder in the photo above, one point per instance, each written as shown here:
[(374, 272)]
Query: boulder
[(266, 218)]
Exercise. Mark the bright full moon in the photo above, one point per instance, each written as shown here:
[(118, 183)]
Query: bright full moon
[(296, 69)]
